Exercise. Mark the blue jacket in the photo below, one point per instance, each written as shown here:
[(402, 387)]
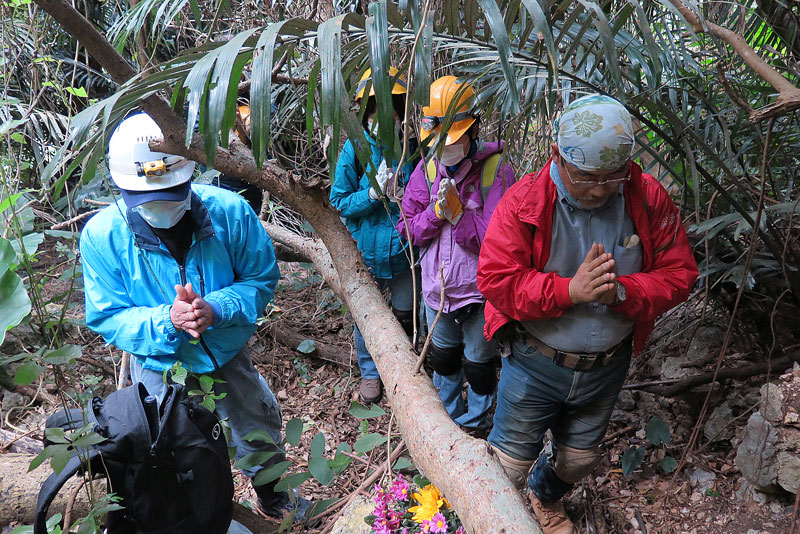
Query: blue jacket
[(129, 289), (371, 226)]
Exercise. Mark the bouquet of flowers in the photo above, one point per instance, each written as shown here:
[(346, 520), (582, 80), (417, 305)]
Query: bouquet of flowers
[(411, 507)]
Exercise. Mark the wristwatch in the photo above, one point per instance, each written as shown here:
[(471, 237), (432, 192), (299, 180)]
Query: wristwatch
[(620, 293)]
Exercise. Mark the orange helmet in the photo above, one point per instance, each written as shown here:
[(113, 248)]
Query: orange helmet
[(444, 91), (400, 86)]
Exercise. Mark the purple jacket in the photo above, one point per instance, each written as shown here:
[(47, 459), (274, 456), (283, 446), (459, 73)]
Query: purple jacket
[(457, 246)]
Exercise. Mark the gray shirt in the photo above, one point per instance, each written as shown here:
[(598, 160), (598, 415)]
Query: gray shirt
[(587, 327)]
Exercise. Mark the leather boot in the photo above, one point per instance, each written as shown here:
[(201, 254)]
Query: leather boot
[(552, 517), (370, 390)]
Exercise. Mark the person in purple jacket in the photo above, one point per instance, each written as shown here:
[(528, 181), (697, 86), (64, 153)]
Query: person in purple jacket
[(448, 202)]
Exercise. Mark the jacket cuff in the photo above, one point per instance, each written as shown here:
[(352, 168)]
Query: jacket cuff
[(172, 332), (217, 310), (218, 304), (562, 292)]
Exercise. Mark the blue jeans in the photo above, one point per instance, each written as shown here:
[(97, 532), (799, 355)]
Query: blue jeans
[(401, 289), (449, 334), (249, 405), (535, 394)]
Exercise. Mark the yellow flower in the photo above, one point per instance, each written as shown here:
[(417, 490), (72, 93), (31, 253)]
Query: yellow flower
[(430, 500)]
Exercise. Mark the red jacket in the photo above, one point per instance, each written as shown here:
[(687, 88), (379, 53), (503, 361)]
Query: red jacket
[(517, 246)]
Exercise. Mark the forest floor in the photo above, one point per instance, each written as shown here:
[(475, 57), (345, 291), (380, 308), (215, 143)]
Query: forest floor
[(705, 497)]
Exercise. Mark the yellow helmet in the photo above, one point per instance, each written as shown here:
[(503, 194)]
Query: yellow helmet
[(443, 91), (399, 88)]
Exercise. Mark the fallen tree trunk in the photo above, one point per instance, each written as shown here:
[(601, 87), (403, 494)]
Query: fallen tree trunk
[(461, 466), (322, 351), (18, 495), (674, 388)]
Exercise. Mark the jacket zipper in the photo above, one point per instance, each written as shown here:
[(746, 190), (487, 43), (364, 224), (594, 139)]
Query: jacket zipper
[(202, 291)]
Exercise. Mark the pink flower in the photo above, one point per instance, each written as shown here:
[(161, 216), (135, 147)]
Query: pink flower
[(438, 524), (460, 530), (400, 489)]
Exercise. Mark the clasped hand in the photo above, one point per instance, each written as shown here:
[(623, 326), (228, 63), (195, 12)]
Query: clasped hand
[(596, 279), (448, 205), (189, 312)]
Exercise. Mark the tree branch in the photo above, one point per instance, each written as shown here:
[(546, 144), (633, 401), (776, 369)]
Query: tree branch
[(788, 94)]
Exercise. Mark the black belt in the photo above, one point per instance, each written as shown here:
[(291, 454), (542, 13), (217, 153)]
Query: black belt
[(577, 361)]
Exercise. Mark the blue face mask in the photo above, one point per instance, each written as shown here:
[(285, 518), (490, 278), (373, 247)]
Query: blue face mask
[(164, 213)]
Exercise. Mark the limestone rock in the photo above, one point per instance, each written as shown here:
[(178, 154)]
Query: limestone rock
[(755, 456), (771, 403), (717, 427), (352, 520)]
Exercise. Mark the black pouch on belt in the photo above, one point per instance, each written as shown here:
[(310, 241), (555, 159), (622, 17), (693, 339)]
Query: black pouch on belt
[(468, 311)]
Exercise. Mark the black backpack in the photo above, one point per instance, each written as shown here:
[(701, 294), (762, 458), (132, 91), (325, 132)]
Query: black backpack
[(169, 463)]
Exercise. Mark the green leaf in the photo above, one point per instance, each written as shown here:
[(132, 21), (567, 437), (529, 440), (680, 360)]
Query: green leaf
[(62, 355), (320, 469), (89, 440), (360, 411), (209, 404), (668, 464), (60, 459), (27, 373), (402, 463), (14, 302), (48, 452), (206, 383), (273, 472), (495, 19), (292, 481), (294, 431), (254, 458), (259, 435), (179, 374), (318, 445), (77, 91), (369, 442), (340, 462), (657, 431), (631, 460), (56, 435), (307, 346)]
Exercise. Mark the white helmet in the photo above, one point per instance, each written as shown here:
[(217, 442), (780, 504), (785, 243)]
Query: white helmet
[(134, 167)]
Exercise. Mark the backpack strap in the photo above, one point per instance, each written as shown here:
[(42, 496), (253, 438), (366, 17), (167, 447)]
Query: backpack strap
[(491, 166), (54, 483)]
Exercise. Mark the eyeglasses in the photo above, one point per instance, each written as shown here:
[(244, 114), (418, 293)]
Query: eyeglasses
[(594, 183), (429, 122)]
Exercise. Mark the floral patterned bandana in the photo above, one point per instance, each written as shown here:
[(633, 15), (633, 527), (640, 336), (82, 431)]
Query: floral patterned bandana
[(595, 133)]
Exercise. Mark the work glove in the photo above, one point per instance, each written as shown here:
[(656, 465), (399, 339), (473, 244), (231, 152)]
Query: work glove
[(448, 206), (383, 176)]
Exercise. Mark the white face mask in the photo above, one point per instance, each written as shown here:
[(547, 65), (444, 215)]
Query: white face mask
[(164, 213), (453, 154)]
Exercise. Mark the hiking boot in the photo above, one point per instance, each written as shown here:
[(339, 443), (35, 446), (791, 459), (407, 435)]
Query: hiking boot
[(280, 505), (370, 390), (552, 516)]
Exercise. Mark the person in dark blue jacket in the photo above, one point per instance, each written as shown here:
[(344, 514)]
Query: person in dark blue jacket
[(373, 227), (179, 273)]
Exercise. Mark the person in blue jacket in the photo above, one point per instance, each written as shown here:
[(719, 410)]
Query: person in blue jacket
[(373, 227), (175, 272)]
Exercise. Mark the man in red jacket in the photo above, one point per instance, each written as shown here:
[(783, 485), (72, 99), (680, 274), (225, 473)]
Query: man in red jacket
[(578, 261)]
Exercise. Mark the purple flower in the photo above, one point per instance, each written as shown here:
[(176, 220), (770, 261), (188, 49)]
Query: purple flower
[(460, 530)]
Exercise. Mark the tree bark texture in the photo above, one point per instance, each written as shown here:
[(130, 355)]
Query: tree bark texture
[(461, 466)]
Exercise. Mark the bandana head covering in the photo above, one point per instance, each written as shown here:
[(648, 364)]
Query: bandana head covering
[(595, 133)]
